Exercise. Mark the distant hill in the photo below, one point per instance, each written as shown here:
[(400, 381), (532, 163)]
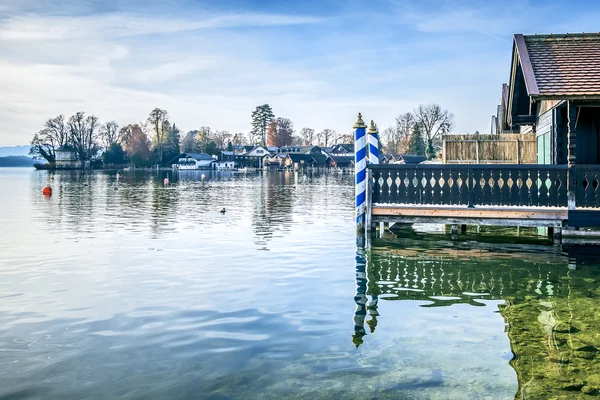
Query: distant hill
[(14, 151), (17, 161)]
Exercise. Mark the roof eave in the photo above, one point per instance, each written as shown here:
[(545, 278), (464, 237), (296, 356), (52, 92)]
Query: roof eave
[(528, 74), (567, 97)]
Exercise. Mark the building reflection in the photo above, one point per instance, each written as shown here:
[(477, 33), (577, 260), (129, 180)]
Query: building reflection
[(273, 206), (550, 303)]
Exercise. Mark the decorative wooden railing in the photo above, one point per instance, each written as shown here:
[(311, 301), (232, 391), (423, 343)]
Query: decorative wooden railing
[(529, 185), (472, 185), (585, 183)]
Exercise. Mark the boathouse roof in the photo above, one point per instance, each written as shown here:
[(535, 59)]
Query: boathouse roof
[(558, 66), (309, 158), (342, 160), (197, 156)]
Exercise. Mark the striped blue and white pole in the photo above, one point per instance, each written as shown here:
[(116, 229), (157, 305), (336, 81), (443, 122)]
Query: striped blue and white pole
[(373, 143), (360, 168)]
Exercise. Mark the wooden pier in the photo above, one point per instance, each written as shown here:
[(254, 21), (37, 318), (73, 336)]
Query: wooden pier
[(559, 197)]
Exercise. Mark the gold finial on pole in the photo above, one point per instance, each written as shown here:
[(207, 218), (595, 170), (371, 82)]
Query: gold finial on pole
[(359, 122), (372, 129)]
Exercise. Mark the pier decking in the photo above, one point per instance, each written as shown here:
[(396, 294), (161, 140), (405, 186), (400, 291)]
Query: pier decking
[(556, 196)]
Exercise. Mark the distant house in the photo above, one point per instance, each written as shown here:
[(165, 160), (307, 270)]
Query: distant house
[(298, 161), (342, 150), (66, 157), (257, 151), (554, 92), (226, 156), (224, 165), (193, 161), (273, 149), (246, 161), (274, 161), (341, 162), (301, 149), (410, 159)]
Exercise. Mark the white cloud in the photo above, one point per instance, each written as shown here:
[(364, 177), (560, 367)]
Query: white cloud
[(125, 25)]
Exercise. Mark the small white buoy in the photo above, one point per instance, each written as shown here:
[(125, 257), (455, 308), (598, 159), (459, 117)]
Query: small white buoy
[(202, 176), (166, 181), (118, 176)]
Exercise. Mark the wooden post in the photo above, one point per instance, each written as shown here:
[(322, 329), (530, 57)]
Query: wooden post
[(444, 151), (518, 148), (572, 132), (454, 234), (477, 150)]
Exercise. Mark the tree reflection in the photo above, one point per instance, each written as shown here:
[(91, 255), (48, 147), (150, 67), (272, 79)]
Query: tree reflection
[(273, 206)]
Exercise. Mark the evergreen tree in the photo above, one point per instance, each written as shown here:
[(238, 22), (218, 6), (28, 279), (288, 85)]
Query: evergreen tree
[(114, 154), (416, 144), (230, 146), (261, 118), (211, 148)]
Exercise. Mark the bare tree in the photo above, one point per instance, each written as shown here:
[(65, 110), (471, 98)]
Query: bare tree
[(155, 123), (433, 122), (188, 143), (136, 144), (109, 134), (308, 136), (326, 137), (285, 131), (46, 141), (84, 134), (221, 138), (203, 138)]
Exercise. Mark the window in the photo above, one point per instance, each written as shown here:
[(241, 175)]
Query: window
[(543, 149)]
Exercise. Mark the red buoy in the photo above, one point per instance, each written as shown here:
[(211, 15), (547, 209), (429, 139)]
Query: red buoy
[(47, 191)]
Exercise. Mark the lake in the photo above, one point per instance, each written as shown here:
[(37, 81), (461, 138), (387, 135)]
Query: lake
[(128, 288)]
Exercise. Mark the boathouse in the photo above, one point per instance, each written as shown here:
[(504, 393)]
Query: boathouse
[(193, 161), (554, 92)]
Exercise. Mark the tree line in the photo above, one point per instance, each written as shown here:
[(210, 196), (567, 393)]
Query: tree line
[(418, 132), (87, 137), (269, 130), (158, 140)]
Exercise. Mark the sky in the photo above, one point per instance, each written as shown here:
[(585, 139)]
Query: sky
[(210, 63)]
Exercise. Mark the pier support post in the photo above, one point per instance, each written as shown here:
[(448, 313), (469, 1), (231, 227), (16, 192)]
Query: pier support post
[(360, 166), (454, 234)]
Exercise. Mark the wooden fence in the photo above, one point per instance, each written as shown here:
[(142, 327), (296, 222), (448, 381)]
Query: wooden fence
[(489, 149)]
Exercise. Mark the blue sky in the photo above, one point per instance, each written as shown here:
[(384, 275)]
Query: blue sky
[(212, 62)]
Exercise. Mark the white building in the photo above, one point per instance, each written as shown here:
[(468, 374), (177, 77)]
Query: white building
[(224, 165), (66, 157), (257, 151), (194, 161)]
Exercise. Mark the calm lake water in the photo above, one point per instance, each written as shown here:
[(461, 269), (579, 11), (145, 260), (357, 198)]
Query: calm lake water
[(129, 289)]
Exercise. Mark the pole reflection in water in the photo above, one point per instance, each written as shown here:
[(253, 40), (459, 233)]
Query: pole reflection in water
[(364, 306)]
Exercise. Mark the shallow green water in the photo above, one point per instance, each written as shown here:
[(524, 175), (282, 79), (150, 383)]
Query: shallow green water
[(151, 292)]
